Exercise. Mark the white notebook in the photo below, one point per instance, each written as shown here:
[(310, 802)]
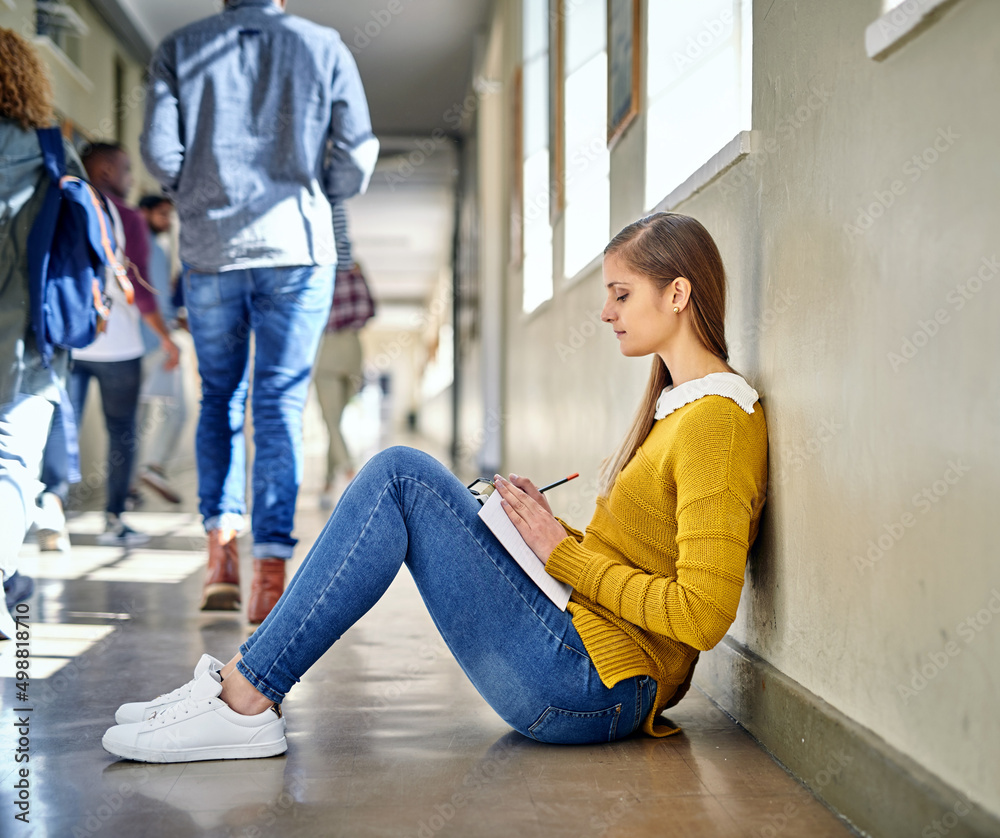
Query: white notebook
[(496, 519)]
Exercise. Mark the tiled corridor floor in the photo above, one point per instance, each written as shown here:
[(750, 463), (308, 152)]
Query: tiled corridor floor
[(386, 736)]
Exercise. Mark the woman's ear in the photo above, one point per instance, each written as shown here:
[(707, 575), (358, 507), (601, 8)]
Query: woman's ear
[(680, 292)]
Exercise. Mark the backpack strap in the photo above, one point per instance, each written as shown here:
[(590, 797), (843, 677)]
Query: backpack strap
[(40, 241), (109, 251), (51, 142)]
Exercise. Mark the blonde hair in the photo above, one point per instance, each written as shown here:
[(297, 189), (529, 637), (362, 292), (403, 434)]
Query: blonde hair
[(25, 92), (662, 247)]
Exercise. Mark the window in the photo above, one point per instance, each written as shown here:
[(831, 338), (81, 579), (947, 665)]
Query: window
[(535, 187), (698, 86), (60, 23), (586, 185)]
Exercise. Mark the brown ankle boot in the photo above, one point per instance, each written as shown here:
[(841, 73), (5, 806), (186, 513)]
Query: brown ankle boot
[(266, 589), (222, 582)]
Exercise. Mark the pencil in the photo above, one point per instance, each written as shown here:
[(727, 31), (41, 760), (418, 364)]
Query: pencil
[(559, 482)]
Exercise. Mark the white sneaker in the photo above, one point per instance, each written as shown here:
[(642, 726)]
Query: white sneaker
[(50, 521), (52, 541), (140, 711), (201, 726)]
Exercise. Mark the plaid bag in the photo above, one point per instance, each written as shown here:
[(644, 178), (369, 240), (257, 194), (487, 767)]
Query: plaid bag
[(352, 305)]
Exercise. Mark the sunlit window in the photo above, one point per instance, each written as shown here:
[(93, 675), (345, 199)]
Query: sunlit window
[(587, 216), (698, 91), (535, 185)]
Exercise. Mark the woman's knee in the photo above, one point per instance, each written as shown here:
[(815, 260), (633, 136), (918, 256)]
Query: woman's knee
[(401, 460)]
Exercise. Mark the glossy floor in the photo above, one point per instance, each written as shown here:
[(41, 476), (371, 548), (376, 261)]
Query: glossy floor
[(386, 736)]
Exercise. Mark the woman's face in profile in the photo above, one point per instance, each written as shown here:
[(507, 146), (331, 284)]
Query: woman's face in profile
[(639, 313)]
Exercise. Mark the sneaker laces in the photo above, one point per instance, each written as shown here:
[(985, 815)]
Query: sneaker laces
[(169, 714), (181, 692)]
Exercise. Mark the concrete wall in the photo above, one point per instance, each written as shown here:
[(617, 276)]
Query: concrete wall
[(863, 307), (84, 92)]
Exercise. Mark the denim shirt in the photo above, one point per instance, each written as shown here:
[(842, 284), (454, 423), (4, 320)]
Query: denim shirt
[(256, 121)]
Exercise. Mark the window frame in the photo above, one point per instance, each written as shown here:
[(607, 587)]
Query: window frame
[(901, 24), (732, 150), (567, 279)]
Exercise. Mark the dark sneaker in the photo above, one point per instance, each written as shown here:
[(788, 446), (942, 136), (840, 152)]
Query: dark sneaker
[(118, 534)]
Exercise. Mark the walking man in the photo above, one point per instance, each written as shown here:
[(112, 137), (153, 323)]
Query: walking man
[(256, 122), (114, 359), (162, 409)]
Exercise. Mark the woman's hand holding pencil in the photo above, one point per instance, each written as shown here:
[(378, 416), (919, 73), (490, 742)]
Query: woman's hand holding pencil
[(530, 513)]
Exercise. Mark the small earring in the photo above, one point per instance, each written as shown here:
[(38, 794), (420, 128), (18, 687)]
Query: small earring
[(676, 310)]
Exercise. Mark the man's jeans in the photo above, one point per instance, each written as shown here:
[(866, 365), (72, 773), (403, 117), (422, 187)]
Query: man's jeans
[(286, 309), (519, 650), (119, 383)]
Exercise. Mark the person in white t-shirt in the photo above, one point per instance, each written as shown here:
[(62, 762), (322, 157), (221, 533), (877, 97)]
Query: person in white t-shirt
[(115, 358)]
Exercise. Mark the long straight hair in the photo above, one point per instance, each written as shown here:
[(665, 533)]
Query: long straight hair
[(662, 247)]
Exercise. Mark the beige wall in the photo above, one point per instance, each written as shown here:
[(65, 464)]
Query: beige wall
[(815, 310), (85, 93)]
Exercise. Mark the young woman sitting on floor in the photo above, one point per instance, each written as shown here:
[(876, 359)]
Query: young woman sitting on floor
[(656, 577)]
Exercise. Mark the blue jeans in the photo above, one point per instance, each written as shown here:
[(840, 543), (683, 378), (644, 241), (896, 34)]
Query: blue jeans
[(24, 425), (119, 382), (520, 651), (286, 309)]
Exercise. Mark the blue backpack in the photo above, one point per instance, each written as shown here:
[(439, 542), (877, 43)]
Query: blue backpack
[(69, 246)]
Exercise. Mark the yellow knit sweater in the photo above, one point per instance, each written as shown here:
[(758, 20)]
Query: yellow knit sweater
[(658, 574)]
